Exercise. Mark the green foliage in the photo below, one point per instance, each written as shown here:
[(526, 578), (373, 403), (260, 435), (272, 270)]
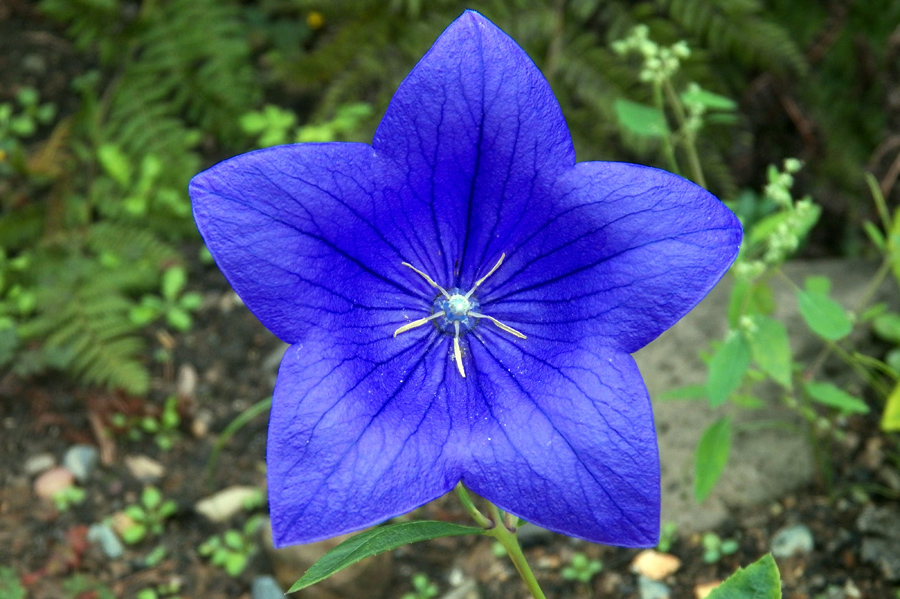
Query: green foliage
[(79, 586), (66, 498), (147, 517), (581, 568), (759, 580), (375, 541), (711, 457), (10, 587), (423, 588), (714, 547), (163, 428), (667, 535), (233, 549)]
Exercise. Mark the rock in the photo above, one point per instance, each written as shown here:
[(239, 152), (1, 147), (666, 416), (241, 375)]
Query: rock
[(81, 461), (651, 589), (467, 590), (369, 578), (702, 591), (792, 540), (203, 419), (882, 521), (146, 470), (655, 565), (38, 463), (531, 535), (103, 535), (226, 504), (52, 482), (186, 384), (884, 553), (265, 587)]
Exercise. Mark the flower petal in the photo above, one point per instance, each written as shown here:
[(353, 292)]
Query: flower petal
[(623, 253), (476, 129), (313, 236), (353, 442), (566, 439)]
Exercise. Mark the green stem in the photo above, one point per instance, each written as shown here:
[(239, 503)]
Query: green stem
[(668, 150), (689, 137), (501, 529), (508, 539)]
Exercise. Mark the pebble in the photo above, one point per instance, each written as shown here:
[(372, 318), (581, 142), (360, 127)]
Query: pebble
[(702, 590), (791, 540), (38, 463), (651, 589), (655, 565), (146, 470), (881, 540), (52, 482), (81, 461), (104, 536), (186, 385), (466, 590), (265, 587), (531, 535), (201, 423), (225, 504)]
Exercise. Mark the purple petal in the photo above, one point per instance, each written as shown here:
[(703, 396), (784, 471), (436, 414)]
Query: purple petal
[(354, 440), (622, 253), (477, 132), (564, 438), (313, 236)]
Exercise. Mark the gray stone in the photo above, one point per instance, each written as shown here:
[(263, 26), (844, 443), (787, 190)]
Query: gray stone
[(881, 521), (81, 461), (765, 463), (38, 463), (530, 535), (792, 540), (103, 535), (884, 553), (651, 589), (265, 587), (467, 590)]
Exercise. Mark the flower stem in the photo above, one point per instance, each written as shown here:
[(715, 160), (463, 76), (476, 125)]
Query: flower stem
[(508, 539), (504, 531)]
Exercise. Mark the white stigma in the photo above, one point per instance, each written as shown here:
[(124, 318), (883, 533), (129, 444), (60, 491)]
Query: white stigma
[(457, 308)]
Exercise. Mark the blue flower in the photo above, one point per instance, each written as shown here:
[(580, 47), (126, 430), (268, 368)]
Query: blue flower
[(462, 298)]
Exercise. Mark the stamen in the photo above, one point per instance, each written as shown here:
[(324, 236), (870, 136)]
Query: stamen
[(481, 280), (417, 323), (456, 351), (506, 328), (431, 281)]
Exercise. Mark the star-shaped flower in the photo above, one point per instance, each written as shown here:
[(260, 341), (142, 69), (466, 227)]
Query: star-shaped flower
[(462, 298)]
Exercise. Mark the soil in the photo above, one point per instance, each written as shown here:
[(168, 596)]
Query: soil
[(234, 359)]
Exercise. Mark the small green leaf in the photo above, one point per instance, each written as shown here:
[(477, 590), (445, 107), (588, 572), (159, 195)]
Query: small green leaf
[(875, 234), (818, 284), (824, 316), (151, 497), (378, 540), (887, 326), (698, 95), (890, 420), (828, 394), (759, 580), (727, 368), (771, 349), (115, 163), (641, 119), (173, 281), (712, 455)]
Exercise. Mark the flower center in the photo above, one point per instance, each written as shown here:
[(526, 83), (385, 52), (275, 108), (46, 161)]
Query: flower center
[(455, 312)]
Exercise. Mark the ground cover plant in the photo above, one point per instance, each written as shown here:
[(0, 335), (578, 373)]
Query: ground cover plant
[(117, 332)]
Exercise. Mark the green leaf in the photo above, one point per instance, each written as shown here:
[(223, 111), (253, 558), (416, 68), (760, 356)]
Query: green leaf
[(378, 540), (115, 163), (875, 234), (698, 95), (818, 284), (759, 580), (712, 455), (887, 326), (890, 420), (828, 394), (173, 281), (824, 316), (727, 368), (641, 119), (771, 349)]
